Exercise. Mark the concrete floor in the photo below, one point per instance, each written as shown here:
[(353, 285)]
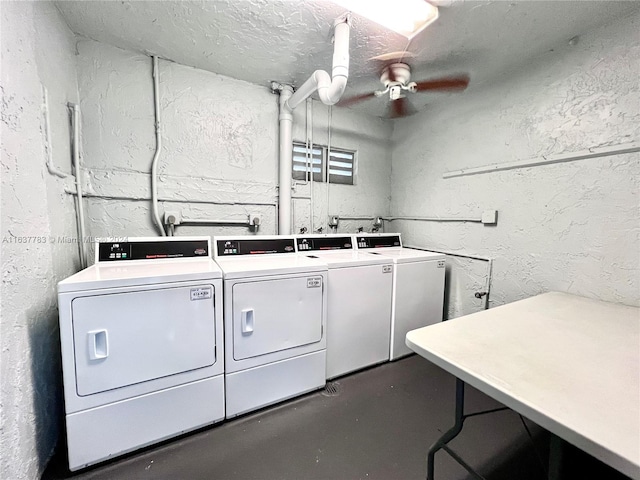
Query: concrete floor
[(378, 426)]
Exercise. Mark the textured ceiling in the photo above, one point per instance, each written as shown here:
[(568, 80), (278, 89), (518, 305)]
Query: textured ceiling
[(286, 40)]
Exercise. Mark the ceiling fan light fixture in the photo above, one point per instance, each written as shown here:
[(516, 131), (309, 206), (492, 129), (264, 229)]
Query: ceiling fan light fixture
[(406, 17)]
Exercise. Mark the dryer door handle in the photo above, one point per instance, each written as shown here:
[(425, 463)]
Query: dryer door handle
[(98, 344), (246, 321)]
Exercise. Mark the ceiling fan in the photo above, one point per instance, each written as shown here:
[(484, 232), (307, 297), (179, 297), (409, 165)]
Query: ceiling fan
[(396, 80)]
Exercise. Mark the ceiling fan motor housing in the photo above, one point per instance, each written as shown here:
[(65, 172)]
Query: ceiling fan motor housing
[(396, 73)]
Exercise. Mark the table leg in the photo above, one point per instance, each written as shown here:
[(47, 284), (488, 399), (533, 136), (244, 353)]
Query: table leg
[(555, 457), (441, 443), (555, 443)]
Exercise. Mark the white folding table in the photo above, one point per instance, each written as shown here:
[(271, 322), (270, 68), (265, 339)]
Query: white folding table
[(568, 363)]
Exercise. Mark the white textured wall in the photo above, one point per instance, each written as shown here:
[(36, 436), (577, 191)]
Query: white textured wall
[(572, 227), (220, 145), (37, 216)]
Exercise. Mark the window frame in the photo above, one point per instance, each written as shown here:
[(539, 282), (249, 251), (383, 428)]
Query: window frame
[(322, 176)]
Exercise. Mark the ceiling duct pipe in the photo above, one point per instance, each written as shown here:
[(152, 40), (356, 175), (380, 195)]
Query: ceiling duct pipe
[(330, 90)]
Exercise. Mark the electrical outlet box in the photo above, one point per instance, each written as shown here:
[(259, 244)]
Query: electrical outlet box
[(172, 217), (490, 217)]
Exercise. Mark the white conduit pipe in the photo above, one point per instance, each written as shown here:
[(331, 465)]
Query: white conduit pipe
[(286, 160), (433, 219), (47, 141), (355, 218), (208, 221), (75, 109), (168, 199), (156, 156)]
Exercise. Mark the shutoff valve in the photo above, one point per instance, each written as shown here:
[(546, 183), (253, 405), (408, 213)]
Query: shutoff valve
[(254, 221)]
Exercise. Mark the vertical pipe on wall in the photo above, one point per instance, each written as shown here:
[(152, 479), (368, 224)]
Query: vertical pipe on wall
[(311, 227), (328, 163), (308, 174), (330, 89), (75, 119), (156, 155), (286, 160), (47, 141), (487, 285)]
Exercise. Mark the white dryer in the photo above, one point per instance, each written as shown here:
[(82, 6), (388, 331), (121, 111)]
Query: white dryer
[(274, 319), (359, 302), (142, 350), (418, 286)]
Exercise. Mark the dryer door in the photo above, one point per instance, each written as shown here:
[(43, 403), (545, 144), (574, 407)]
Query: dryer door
[(274, 315), (134, 336)]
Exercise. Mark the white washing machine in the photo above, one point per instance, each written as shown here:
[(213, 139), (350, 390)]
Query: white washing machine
[(418, 286), (274, 320), (142, 350), (359, 302)]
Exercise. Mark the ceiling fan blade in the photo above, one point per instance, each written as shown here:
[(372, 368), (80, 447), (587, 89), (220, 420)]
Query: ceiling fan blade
[(398, 107), (346, 102), (443, 84), (401, 107), (398, 56)]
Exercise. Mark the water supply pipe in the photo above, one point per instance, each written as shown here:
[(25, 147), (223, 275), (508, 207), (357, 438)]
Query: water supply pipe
[(156, 155), (312, 210), (286, 160), (328, 161)]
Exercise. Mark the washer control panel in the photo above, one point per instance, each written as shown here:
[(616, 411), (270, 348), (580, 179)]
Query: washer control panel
[(133, 249), (236, 247), (309, 244), (378, 241)]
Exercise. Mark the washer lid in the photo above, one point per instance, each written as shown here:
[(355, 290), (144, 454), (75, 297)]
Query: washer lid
[(341, 259), (124, 274), (261, 265), (405, 255)]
